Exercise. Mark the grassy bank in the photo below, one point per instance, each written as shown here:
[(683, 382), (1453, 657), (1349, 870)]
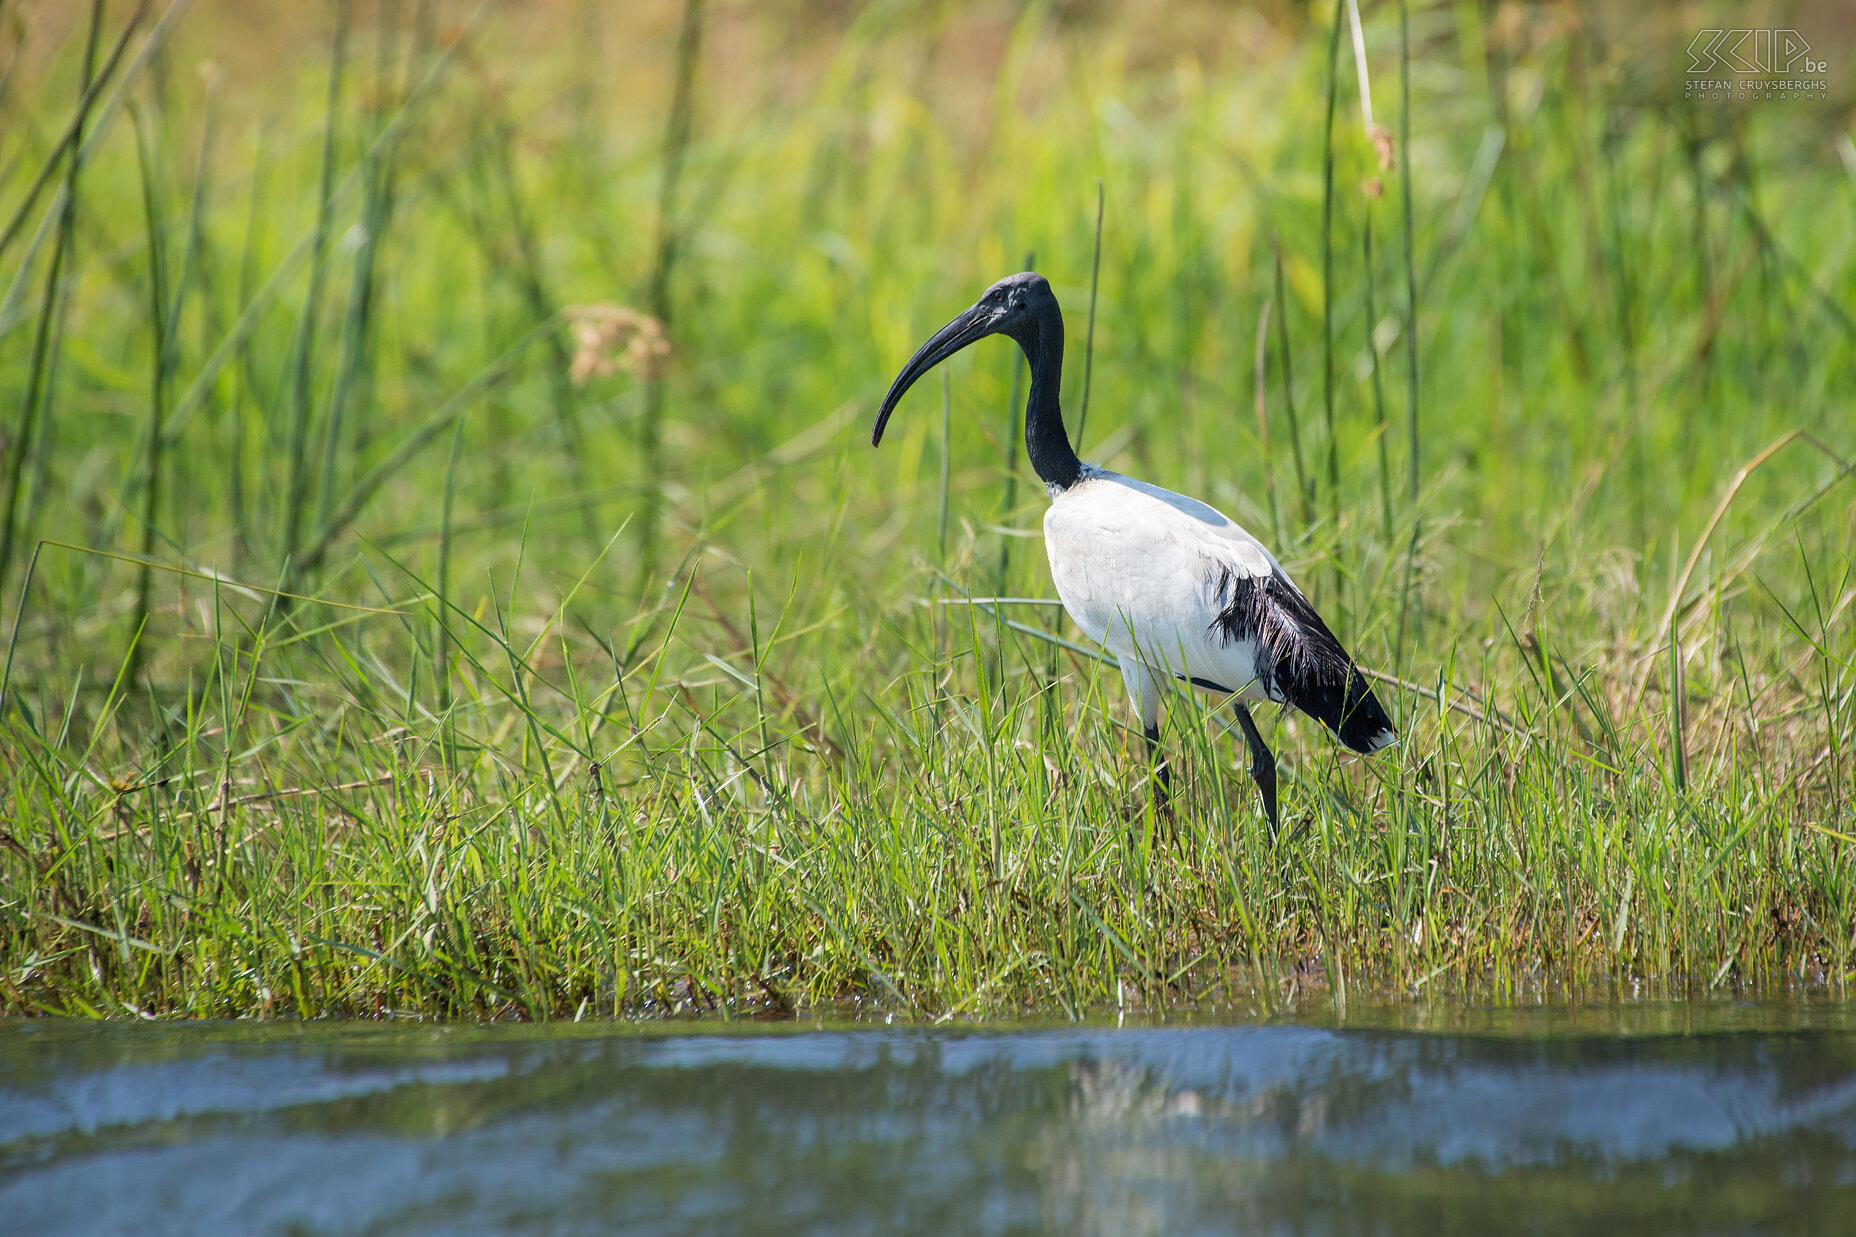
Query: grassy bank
[(385, 636)]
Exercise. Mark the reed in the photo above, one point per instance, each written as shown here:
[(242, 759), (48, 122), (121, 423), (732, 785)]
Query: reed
[(1260, 405), (1328, 286), (1089, 331), (1410, 331), (1380, 428), (302, 356), (1014, 406), (1410, 248), (1302, 482), (160, 358), (946, 454), (678, 126)]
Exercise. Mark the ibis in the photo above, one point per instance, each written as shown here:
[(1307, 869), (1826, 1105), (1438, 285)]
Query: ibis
[(1176, 589)]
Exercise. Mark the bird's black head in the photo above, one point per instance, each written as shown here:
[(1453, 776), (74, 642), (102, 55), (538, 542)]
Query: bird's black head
[(1018, 305), (1021, 306)]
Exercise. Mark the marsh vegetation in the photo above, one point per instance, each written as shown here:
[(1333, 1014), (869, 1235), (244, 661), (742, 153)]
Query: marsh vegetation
[(445, 573)]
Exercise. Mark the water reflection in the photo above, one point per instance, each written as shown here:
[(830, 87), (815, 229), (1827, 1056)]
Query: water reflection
[(1271, 1128)]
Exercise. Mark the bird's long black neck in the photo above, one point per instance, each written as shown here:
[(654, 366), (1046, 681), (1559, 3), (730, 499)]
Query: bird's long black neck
[(1046, 443)]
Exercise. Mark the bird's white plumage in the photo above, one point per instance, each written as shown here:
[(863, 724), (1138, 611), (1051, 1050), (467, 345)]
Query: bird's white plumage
[(1137, 568)]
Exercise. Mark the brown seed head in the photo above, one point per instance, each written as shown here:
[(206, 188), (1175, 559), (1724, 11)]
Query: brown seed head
[(1382, 145), (609, 337)]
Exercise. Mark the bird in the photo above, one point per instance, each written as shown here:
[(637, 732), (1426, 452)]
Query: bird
[(1175, 588)]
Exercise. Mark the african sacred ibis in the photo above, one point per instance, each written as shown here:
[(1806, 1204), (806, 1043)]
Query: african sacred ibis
[(1176, 589)]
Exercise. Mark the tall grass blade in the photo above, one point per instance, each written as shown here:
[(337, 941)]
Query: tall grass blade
[(1008, 500), (541, 305), (940, 506), (1302, 483), (677, 131), (441, 643), (1089, 332), (247, 383), (1405, 612), (158, 319), (1327, 268), (19, 618), (1411, 265), (358, 321), (1379, 394), (1260, 370), (302, 355)]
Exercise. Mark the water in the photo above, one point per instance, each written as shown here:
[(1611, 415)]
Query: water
[(1646, 1119)]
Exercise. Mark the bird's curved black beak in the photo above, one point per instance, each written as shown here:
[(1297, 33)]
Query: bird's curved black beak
[(975, 323)]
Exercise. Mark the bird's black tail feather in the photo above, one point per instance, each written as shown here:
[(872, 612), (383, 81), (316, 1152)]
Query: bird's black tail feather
[(1299, 662), (1352, 712)]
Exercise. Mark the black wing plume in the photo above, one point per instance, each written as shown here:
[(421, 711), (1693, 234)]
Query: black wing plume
[(1299, 661)]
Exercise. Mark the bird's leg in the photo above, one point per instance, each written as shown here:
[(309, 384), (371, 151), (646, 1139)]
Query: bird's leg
[(1262, 764), (1163, 777)]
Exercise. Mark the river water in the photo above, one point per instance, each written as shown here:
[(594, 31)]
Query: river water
[(1713, 1119)]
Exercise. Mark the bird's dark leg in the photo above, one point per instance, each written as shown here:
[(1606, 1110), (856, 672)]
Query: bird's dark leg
[(1262, 764), (1163, 777)]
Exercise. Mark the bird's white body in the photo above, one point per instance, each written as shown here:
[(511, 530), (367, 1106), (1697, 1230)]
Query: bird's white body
[(1137, 568)]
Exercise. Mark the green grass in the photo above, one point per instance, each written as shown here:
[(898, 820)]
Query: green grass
[(359, 661)]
